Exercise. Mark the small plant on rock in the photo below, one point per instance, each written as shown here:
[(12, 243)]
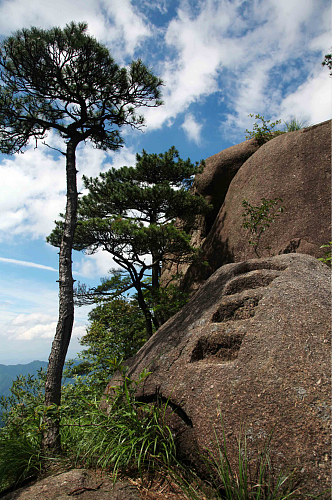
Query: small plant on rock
[(258, 219), (327, 259), (264, 132)]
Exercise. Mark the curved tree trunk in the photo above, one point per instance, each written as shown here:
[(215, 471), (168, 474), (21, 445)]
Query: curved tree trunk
[(51, 438), (158, 319), (145, 309)]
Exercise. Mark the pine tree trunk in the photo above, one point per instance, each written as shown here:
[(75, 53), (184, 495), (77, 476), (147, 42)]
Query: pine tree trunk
[(145, 309), (51, 438), (157, 319)]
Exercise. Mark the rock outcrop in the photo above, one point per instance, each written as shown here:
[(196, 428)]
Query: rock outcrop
[(213, 183), (253, 347), (219, 171), (84, 484), (295, 167)]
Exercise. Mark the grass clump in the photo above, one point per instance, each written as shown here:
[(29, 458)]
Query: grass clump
[(242, 484), (129, 436), (294, 124)]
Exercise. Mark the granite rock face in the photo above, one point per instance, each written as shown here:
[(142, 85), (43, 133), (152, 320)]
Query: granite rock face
[(213, 183), (219, 172), (253, 347), (77, 483), (295, 167)]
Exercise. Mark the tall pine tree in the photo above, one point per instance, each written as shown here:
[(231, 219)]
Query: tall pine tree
[(65, 81)]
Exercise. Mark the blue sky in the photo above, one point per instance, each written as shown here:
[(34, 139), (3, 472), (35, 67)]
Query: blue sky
[(220, 61)]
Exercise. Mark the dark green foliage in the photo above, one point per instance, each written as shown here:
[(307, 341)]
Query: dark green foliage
[(50, 76), (258, 219), (328, 61), (131, 213), (116, 331), (133, 209)]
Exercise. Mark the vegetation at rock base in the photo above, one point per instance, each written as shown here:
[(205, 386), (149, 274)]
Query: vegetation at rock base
[(258, 219), (132, 437), (264, 132), (131, 213), (67, 82)]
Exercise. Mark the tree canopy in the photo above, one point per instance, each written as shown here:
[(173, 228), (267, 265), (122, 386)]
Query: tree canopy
[(131, 213)]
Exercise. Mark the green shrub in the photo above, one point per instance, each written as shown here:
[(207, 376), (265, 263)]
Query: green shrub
[(20, 438), (264, 132), (258, 219), (327, 259)]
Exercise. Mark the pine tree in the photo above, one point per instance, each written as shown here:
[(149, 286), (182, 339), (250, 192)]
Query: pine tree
[(66, 81), (131, 213)]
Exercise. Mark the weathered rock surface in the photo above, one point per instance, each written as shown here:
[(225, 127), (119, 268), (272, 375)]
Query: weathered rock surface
[(253, 345), (295, 167), (219, 172), (213, 184), (84, 484)]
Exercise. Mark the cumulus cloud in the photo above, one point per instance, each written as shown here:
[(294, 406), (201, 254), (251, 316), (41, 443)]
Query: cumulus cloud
[(311, 101), (96, 265), (251, 53), (192, 128), (33, 185), (37, 326), (117, 23)]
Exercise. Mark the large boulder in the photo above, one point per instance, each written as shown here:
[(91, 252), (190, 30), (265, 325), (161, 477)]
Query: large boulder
[(253, 347), (219, 172), (213, 184), (295, 167)]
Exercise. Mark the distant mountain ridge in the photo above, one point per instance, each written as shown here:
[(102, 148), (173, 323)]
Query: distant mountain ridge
[(8, 373)]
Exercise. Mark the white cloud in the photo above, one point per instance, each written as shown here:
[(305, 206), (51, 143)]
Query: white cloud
[(96, 265), (27, 264), (115, 22), (311, 101), (192, 128), (22, 319), (33, 185), (252, 53), (37, 326)]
